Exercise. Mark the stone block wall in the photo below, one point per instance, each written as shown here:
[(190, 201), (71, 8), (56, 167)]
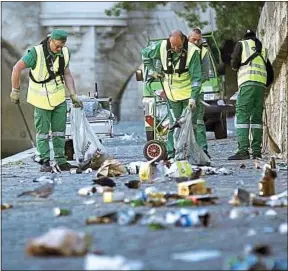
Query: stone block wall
[(273, 32)]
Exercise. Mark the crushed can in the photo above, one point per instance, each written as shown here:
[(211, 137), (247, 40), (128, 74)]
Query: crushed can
[(61, 211)]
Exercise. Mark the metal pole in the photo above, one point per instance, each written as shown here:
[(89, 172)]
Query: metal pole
[(26, 125)]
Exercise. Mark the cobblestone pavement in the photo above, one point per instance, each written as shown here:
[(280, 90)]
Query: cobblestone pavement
[(32, 217)]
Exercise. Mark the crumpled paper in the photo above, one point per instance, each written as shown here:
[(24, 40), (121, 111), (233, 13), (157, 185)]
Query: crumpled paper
[(59, 242), (111, 168)]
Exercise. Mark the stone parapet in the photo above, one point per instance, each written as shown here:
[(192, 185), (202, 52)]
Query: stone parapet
[(273, 32)]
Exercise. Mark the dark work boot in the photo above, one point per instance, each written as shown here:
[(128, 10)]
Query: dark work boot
[(66, 167), (240, 156), (46, 167), (255, 156)]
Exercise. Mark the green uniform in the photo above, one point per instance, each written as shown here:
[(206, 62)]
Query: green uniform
[(194, 69), (201, 128), (46, 120), (252, 79)]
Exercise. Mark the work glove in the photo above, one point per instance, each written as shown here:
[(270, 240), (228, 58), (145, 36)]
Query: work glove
[(192, 104), (157, 75), (15, 95), (75, 100)]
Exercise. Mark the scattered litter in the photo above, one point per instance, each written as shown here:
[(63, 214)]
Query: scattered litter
[(104, 181), (104, 219), (88, 202), (87, 191), (196, 256), (256, 164), (256, 258), (61, 212), (179, 169), (127, 217), (111, 168), (95, 262), (102, 189), (242, 212), (128, 137), (211, 171), (241, 197), (59, 242), (283, 228), (251, 232), (88, 170), (133, 184), (5, 206), (133, 167), (109, 197), (195, 187), (267, 183), (75, 171), (270, 212)]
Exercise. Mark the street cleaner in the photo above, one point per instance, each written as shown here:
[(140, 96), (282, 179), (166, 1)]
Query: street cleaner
[(49, 76), (195, 37), (250, 61), (181, 79)]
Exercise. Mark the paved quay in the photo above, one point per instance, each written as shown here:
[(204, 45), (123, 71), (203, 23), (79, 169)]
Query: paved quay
[(32, 217)]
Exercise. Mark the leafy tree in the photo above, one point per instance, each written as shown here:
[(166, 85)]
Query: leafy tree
[(232, 18)]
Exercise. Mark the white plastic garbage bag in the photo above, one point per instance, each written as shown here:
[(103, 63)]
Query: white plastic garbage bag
[(85, 141), (186, 147)]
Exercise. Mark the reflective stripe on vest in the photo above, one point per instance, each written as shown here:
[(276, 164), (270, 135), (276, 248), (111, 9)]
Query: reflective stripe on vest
[(256, 69), (180, 89), (49, 95)]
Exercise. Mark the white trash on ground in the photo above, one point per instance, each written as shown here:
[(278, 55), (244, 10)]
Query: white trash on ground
[(196, 256), (96, 262), (61, 242)]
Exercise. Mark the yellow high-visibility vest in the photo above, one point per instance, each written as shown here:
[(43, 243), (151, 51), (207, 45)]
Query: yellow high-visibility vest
[(50, 94), (181, 88), (204, 51), (256, 69)]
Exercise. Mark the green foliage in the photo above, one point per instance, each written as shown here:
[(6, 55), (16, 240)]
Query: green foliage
[(232, 18), (130, 6), (191, 11)]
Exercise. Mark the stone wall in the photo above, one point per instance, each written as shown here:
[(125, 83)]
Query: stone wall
[(273, 32)]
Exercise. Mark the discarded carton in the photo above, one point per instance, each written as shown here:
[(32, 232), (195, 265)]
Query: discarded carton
[(194, 187)]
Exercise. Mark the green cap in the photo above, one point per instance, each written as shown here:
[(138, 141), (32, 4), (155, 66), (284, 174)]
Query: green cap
[(59, 34)]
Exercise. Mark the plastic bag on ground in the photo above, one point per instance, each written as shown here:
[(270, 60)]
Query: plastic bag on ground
[(186, 147), (85, 142), (59, 242)]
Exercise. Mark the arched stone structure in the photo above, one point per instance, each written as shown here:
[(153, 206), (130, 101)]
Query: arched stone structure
[(106, 50)]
